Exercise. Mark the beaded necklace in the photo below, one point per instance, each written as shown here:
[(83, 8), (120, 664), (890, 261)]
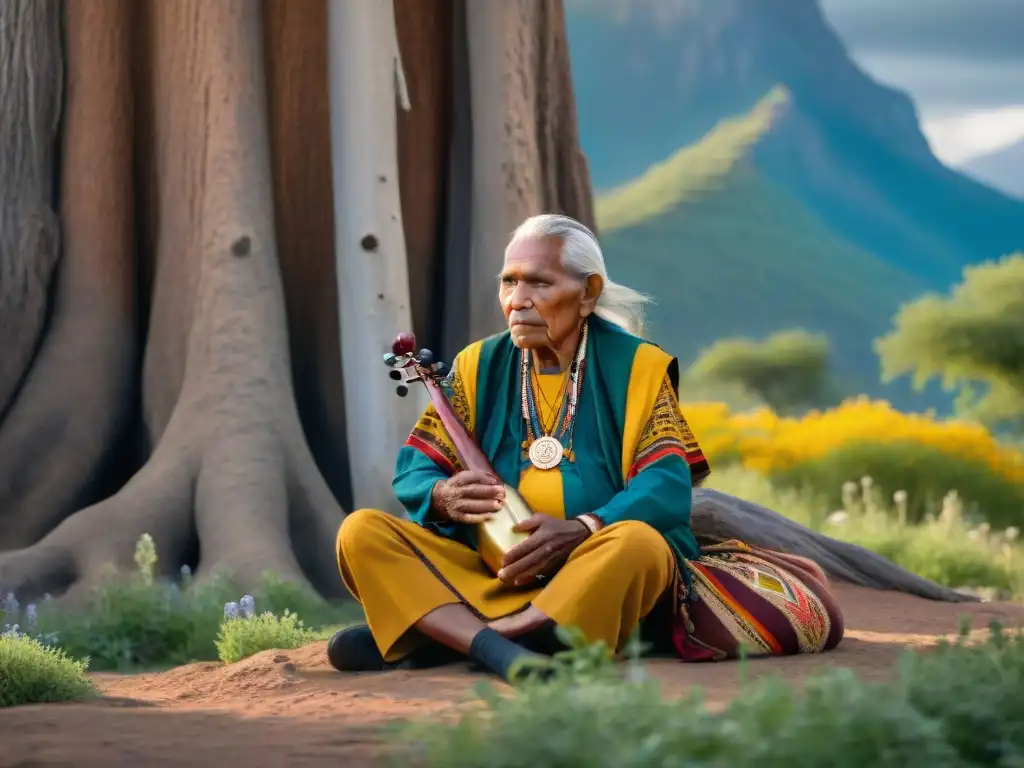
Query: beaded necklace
[(546, 450)]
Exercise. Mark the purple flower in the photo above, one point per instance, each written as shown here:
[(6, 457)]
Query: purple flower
[(30, 614), (248, 606), (10, 605), (231, 610)]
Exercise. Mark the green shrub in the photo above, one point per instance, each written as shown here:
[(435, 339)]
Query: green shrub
[(925, 473), (945, 547), (242, 636), (34, 673), (976, 692), (960, 706), (138, 620)]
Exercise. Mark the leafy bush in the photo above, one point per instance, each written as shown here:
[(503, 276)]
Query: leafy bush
[(925, 473), (138, 620), (34, 673), (945, 547), (788, 370), (917, 453), (962, 705), (245, 633)]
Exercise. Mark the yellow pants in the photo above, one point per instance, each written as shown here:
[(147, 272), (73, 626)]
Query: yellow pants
[(400, 572)]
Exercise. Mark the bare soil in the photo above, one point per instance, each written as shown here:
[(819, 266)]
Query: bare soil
[(289, 708)]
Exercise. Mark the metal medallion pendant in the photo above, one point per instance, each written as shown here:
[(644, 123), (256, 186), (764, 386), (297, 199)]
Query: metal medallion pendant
[(546, 453)]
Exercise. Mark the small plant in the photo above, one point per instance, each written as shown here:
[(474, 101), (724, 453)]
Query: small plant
[(34, 673), (243, 633), (145, 558)]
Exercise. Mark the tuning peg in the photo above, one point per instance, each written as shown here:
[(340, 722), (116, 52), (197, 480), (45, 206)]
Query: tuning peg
[(390, 360), (404, 344), (426, 358)]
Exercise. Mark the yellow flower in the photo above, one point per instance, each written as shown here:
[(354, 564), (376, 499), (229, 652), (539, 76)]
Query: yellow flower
[(765, 441)]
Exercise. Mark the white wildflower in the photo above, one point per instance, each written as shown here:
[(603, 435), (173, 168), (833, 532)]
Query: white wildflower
[(839, 517)]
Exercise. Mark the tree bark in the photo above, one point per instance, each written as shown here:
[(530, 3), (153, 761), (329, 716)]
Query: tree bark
[(300, 139), (231, 477), (526, 152), (373, 277), (58, 434), (426, 31), (29, 235)]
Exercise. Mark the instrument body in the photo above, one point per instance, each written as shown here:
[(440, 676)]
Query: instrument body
[(498, 535)]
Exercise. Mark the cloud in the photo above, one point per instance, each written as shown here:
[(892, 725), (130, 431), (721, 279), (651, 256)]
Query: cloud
[(950, 54), (955, 140)]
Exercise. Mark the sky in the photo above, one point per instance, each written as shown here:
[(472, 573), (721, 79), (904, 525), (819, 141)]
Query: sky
[(962, 61)]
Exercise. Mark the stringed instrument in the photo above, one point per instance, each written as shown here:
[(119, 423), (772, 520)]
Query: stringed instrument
[(496, 536)]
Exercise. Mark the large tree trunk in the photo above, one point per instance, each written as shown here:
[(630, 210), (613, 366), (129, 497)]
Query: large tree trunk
[(231, 476), (300, 138), (526, 156), (29, 233), (373, 278), (57, 434), (196, 208)]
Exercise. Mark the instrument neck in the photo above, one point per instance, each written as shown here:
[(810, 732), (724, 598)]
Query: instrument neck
[(465, 446)]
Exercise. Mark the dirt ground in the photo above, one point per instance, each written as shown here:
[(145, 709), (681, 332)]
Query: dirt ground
[(290, 709)]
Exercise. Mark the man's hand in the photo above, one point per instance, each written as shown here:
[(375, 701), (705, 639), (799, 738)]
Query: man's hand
[(549, 544), (467, 497)]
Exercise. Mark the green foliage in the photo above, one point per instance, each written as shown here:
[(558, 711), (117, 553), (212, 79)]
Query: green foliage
[(788, 371), (977, 693), (962, 705), (34, 673), (945, 547), (133, 622), (925, 473), (973, 338), (240, 638), (139, 621)]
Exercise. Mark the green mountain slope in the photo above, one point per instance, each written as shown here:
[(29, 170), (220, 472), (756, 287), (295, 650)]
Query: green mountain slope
[(726, 252), (651, 76)]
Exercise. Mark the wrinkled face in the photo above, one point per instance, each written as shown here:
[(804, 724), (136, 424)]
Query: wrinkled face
[(543, 302)]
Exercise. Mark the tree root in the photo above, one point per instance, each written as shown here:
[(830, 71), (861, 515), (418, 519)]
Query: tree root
[(718, 515), (241, 503)]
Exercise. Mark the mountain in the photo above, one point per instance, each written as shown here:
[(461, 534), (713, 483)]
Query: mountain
[(1002, 169), (752, 178)]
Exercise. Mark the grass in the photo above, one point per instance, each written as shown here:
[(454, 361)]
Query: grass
[(960, 705), (727, 253), (946, 546)]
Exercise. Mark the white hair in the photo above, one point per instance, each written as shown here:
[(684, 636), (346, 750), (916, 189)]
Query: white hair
[(581, 255)]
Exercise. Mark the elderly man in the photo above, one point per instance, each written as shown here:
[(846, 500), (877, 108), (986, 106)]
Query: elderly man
[(574, 409)]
